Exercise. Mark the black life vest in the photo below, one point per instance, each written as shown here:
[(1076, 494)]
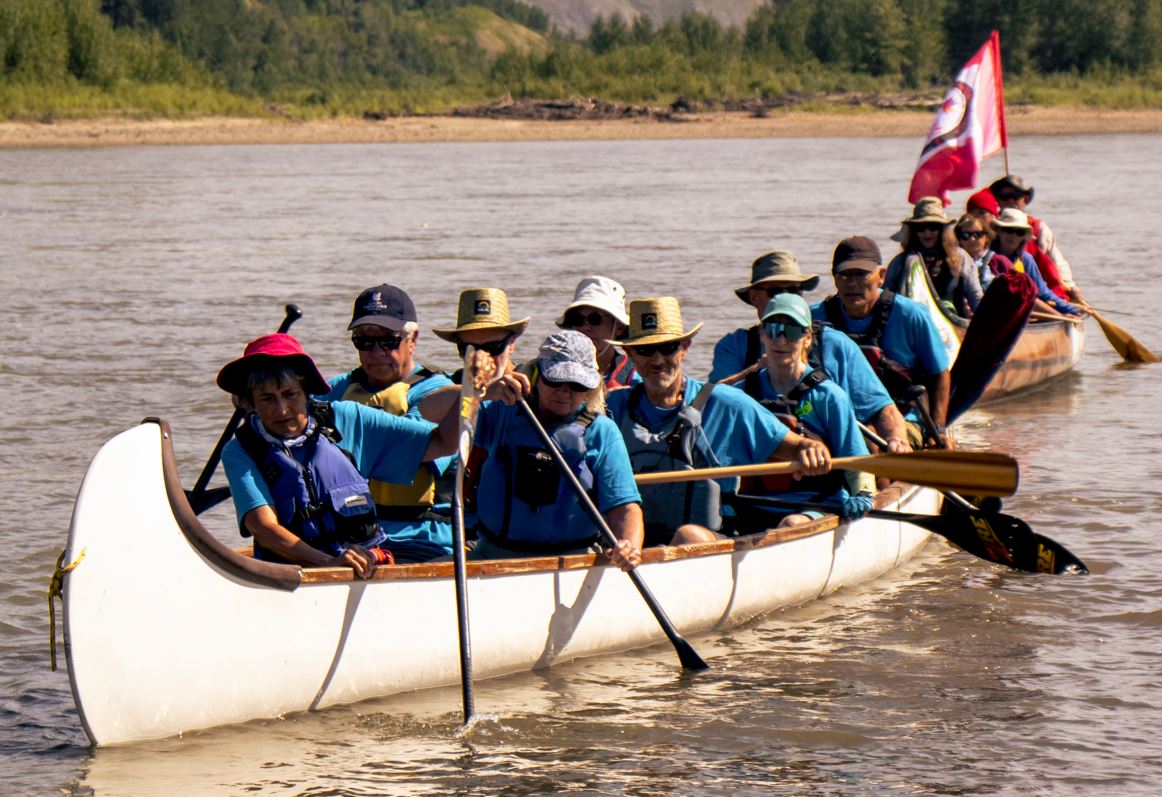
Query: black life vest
[(897, 377), (326, 502), (787, 409), (541, 514), (680, 445)]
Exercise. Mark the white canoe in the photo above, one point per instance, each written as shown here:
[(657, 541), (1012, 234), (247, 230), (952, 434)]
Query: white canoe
[(167, 630)]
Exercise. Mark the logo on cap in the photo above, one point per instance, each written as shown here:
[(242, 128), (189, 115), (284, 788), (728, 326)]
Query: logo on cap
[(483, 307), (649, 320)]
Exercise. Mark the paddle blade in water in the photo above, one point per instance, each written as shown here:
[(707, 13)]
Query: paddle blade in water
[(1006, 540), (1127, 345)]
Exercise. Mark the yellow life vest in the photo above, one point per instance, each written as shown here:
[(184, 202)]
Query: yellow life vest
[(394, 399)]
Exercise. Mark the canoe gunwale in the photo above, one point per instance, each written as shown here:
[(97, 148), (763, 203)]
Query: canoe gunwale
[(291, 577)]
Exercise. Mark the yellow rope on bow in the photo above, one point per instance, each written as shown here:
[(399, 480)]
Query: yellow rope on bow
[(54, 591)]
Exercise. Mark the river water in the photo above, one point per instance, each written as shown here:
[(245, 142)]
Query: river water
[(129, 276)]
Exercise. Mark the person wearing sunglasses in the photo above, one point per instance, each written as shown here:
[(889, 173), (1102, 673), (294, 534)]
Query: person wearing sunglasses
[(384, 328), (525, 506), (1012, 234), (896, 334), (1010, 192), (975, 235), (812, 405), (673, 422), (298, 468), (598, 312), (739, 355), (927, 238)]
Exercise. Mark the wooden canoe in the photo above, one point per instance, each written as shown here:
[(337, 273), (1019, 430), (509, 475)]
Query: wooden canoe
[(169, 630), (1045, 350)]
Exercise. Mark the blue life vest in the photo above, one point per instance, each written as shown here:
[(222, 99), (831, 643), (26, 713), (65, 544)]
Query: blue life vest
[(319, 495), (680, 445), (540, 513)]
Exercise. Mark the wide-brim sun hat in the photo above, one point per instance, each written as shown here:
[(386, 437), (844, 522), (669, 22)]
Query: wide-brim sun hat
[(569, 356), (600, 293), (928, 210), (275, 350), (789, 306), (655, 320), (1012, 219), (482, 308), (1014, 182), (776, 266)]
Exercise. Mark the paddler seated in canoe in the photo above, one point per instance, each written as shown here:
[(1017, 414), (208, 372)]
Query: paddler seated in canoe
[(598, 312), (1013, 232), (524, 506), (673, 422), (898, 338), (809, 403), (384, 329), (1010, 192), (927, 235), (739, 355), (298, 468), (975, 234)]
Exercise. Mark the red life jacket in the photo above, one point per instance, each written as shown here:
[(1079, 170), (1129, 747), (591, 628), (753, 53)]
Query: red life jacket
[(1044, 262), (620, 373)]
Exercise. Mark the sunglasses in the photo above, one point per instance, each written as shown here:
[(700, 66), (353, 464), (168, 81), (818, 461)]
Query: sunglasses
[(575, 318), (969, 235), (775, 290), (792, 332), (666, 349), (1013, 231), (495, 348), (927, 227), (853, 275), (1008, 196), (573, 386), (386, 343)]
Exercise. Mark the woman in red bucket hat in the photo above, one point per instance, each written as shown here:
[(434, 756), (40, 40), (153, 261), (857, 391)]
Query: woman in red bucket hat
[(298, 468)]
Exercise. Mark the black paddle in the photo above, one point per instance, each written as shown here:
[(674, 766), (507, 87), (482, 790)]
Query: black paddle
[(200, 499), (992, 536), (686, 653)]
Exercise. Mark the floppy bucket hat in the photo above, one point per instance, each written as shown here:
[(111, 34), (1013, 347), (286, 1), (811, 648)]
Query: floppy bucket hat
[(1012, 182), (657, 320), (384, 306), (776, 266), (928, 210), (790, 306), (858, 251), (1012, 219), (600, 293), (569, 356), (482, 308), (277, 349)]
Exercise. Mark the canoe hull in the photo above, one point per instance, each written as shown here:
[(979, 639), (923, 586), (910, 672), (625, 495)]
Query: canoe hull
[(168, 630)]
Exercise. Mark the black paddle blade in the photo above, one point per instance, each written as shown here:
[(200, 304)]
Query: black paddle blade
[(1003, 539), (207, 499), (688, 656)]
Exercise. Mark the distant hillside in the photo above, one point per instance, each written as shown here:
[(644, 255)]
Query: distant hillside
[(578, 15)]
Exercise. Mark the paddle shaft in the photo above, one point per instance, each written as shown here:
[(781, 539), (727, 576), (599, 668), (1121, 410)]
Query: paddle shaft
[(469, 407), (686, 653), (974, 472), (870, 434)]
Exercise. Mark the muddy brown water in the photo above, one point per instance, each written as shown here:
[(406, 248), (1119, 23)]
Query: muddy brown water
[(130, 275)]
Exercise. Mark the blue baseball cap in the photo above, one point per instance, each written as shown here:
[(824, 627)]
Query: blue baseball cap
[(384, 306)]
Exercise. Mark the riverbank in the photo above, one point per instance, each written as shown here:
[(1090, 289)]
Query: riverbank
[(1058, 120)]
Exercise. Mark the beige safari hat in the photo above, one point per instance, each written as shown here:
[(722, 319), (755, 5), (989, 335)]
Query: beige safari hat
[(482, 308), (655, 321), (928, 210), (600, 293), (776, 266)]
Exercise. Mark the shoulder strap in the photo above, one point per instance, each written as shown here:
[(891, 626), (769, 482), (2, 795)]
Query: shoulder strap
[(252, 443), (585, 417), (754, 346), (324, 415), (421, 373), (833, 311), (810, 380)]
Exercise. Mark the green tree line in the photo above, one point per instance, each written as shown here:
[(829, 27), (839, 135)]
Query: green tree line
[(346, 56)]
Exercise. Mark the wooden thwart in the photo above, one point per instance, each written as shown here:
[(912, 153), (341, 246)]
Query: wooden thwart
[(972, 472)]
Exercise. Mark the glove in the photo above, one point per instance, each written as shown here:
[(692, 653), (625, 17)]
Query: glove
[(856, 506)]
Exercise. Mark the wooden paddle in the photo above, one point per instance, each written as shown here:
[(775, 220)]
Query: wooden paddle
[(992, 536), (686, 654), (1124, 343), (972, 472), (198, 498)]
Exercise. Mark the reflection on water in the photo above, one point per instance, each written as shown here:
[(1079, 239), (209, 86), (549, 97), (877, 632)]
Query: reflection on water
[(131, 275)]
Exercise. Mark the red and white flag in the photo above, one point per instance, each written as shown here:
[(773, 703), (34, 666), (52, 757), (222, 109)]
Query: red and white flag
[(969, 127)]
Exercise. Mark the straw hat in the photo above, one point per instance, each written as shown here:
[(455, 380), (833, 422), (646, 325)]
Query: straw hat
[(776, 266), (600, 293), (1012, 219), (655, 321), (482, 308), (277, 349)]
